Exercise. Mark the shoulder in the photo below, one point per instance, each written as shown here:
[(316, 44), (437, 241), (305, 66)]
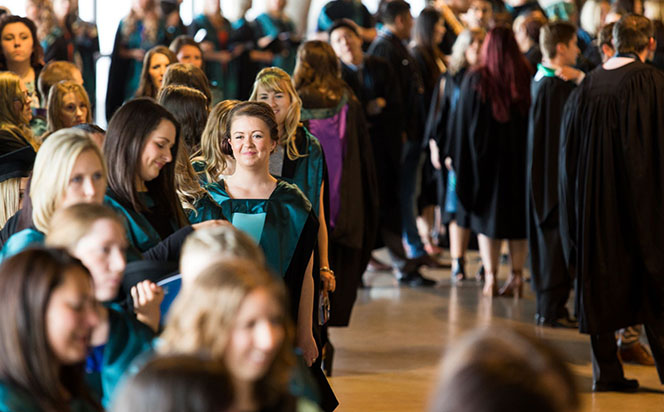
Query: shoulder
[(20, 241), (290, 193), (14, 399)]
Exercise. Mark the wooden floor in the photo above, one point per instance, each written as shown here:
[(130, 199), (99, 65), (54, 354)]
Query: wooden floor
[(387, 359)]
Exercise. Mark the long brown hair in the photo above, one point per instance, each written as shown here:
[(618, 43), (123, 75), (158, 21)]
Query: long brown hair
[(188, 75), (127, 132), (27, 362), (203, 315), (317, 75), (145, 86), (11, 120)]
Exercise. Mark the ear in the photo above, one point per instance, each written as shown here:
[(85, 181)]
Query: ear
[(607, 51), (560, 48), (652, 44)]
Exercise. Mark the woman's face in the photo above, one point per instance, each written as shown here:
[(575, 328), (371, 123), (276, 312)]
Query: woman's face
[(156, 151), (473, 52), (74, 110), (71, 316), (190, 54), (256, 337), (102, 250), (279, 102), (158, 64), (17, 43), (438, 31), (251, 142), (87, 183)]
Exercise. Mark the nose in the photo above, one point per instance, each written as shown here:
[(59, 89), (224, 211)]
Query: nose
[(168, 157), (266, 336), (89, 188), (118, 260), (79, 112)]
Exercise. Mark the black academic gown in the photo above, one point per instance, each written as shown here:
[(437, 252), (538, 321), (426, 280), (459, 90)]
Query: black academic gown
[(551, 280), (611, 192), (374, 79), (490, 163)]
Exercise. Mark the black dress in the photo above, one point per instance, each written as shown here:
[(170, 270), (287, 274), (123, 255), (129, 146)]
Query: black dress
[(490, 163), (551, 280)]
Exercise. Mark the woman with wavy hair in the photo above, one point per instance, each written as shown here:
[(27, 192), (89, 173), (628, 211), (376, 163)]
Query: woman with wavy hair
[(68, 106), (57, 44), (489, 131), (155, 63), (231, 308), (47, 315), (334, 115)]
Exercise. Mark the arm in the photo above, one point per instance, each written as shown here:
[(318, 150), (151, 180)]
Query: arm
[(329, 282), (304, 330)]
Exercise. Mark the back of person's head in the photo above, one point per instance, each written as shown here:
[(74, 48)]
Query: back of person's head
[(52, 171), (206, 246), (203, 319), (213, 139), (317, 70), (69, 225), (188, 75), (57, 71), (605, 40), (190, 108), (14, 166), (501, 370), (390, 10), (177, 383), (28, 359), (57, 106), (505, 79), (97, 134), (424, 27), (129, 129), (632, 33), (553, 34)]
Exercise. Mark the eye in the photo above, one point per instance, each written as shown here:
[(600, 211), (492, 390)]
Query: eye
[(257, 135), (76, 179), (70, 107), (262, 97), (279, 96), (97, 176)]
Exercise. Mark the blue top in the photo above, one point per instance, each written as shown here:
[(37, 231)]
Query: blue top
[(20, 241)]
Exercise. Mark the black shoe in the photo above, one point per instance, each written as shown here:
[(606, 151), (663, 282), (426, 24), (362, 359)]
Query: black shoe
[(623, 385), (458, 273), (414, 279), (563, 322)]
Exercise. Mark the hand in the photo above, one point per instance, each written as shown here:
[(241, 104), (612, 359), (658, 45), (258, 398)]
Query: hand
[(448, 163), (265, 41), (137, 54), (147, 297), (569, 73), (376, 106), (307, 345), (210, 223), (224, 56), (329, 281), (435, 154)]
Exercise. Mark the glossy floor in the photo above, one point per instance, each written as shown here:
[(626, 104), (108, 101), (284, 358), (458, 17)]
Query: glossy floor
[(387, 359)]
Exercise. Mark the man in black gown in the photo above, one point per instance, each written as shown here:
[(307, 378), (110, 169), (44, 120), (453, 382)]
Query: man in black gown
[(551, 280), (611, 200)]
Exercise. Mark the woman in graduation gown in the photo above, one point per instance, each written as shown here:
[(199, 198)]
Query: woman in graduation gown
[(489, 130), (142, 29), (69, 168), (336, 118), (275, 213), (95, 234), (142, 143), (47, 314)]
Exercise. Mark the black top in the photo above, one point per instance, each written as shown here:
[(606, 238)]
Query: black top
[(611, 185)]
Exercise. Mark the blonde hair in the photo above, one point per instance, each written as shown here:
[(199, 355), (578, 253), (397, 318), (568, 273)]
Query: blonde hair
[(10, 198), (591, 16), (275, 80), (53, 165), (11, 120), (187, 186), (55, 103), (466, 38), (213, 137), (203, 316), (69, 225), (222, 242)]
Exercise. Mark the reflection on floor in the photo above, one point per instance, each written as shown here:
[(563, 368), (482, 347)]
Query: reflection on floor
[(387, 359)]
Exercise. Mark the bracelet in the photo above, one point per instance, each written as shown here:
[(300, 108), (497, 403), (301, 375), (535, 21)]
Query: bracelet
[(327, 269)]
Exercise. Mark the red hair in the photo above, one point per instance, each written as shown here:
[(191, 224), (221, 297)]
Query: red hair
[(505, 74)]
